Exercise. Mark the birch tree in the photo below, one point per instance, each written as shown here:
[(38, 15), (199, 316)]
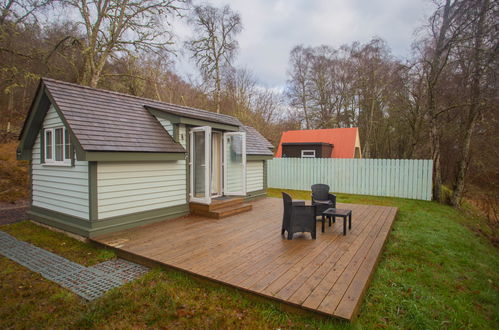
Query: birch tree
[(114, 28), (214, 44), (19, 11), (298, 83), (479, 53), (446, 26)]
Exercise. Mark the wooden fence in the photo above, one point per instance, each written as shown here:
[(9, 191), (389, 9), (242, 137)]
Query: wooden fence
[(406, 178)]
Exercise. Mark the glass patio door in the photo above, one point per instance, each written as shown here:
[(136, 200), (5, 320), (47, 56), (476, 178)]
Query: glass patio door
[(200, 147), (235, 163)]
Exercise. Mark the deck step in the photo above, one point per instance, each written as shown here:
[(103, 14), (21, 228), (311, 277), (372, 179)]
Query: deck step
[(223, 212), (216, 204), (220, 204), (232, 210)]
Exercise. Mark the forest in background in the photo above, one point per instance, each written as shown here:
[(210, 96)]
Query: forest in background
[(440, 104)]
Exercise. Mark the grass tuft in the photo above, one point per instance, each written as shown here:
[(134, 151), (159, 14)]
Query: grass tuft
[(59, 243)]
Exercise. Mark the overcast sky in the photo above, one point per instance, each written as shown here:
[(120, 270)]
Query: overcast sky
[(271, 28)]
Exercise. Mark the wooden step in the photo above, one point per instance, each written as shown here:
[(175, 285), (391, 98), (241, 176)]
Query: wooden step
[(215, 204), (232, 210), (223, 212)]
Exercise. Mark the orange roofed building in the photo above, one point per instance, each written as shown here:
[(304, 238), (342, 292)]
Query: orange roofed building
[(320, 143)]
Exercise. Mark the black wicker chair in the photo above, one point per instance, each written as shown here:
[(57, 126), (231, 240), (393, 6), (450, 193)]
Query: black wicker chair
[(298, 217), (322, 199)]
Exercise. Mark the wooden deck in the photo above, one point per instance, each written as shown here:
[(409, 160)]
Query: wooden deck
[(328, 275)]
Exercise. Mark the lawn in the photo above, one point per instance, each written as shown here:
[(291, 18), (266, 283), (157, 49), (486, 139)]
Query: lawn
[(435, 272)]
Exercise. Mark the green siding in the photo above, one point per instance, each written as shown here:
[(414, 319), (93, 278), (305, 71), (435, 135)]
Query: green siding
[(167, 125), (86, 228), (254, 175), (256, 194), (137, 219), (59, 188), (129, 187)]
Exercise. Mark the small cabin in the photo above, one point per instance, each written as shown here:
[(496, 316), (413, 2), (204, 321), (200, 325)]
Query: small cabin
[(307, 150), (102, 161), (320, 143)]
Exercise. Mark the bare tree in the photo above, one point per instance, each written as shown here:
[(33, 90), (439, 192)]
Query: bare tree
[(214, 44), (298, 89), (18, 11), (18, 51), (480, 53), (446, 26), (114, 28), (373, 67)]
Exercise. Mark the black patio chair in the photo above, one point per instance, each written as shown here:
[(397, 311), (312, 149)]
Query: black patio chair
[(322, 199), (298, 217)]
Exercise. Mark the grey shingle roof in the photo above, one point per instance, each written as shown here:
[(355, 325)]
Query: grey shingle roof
[(195, 113), (256, 144), (109, 121)]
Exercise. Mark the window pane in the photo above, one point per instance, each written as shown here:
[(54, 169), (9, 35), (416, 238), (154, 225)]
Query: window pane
[(59, 145), (308, 153), (48, 145), (67, 144), (234, 163), (199, 163)]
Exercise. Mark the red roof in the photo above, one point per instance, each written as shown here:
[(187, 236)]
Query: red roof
[(343, 140)]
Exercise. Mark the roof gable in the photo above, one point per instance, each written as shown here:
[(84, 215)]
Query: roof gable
[(343, 139), (256, 144)]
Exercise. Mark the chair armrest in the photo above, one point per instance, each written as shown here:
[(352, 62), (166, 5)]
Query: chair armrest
[(298, 203), (332, 198), (304, 206)]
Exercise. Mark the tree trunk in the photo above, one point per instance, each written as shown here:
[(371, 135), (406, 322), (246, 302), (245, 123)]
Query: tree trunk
[(437, 62), (367, 146), (435, 155), (10, 109), (217, 85), (305, 110), (458, 186), (473, 108)]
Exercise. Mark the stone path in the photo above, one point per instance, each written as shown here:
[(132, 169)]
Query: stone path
[(87, 282)]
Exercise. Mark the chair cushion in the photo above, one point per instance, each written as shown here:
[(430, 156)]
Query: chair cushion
[(322, 202)]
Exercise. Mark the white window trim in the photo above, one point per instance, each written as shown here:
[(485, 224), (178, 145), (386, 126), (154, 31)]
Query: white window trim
[(303, 155), (51, 161)]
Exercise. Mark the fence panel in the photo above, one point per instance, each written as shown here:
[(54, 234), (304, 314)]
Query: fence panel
[(406, 178)]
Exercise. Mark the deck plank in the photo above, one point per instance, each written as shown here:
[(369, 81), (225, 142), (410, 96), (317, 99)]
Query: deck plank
[(312, 255), (293, 284), (317, 286), (342, 279), (350, 303), (328, 275)]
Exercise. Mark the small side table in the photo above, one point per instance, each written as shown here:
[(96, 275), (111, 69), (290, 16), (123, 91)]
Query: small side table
[(333, 213)]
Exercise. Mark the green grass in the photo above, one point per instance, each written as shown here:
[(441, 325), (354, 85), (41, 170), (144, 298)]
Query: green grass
[(65, 246), (434, 273)]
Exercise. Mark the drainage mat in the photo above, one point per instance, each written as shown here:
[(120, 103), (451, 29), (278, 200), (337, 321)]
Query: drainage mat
[(87, 282)]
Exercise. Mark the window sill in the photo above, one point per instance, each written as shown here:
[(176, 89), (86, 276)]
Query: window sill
[(57, 164)]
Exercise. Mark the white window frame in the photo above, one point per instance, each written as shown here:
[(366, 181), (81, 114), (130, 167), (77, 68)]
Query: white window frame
[(303, 154), (66, 157)]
